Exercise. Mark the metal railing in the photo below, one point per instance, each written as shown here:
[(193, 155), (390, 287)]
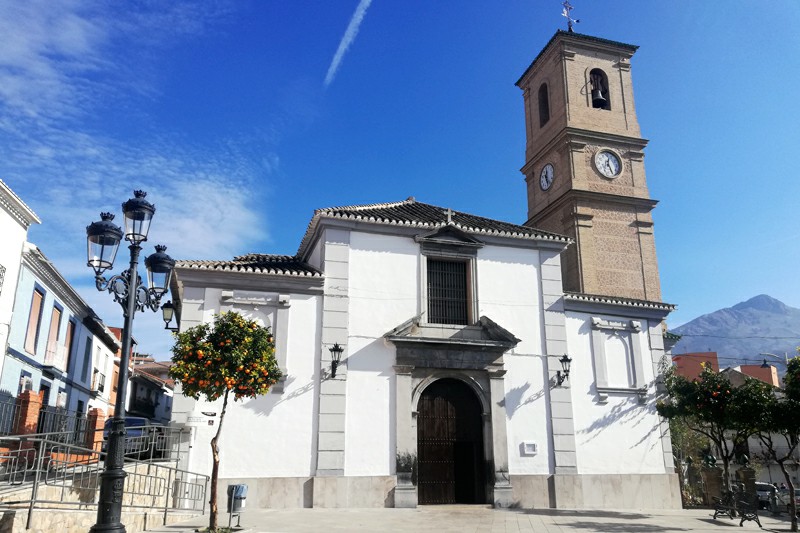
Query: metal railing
[(9, 416), (56, 470), (69, 425)]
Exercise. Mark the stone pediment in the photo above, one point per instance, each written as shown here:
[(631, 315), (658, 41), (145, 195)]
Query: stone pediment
[(448, 238), (477, 347), (485, 334)]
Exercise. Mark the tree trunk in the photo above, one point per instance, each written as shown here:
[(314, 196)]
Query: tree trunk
[(212, 515), (726, 472), (792, 507)]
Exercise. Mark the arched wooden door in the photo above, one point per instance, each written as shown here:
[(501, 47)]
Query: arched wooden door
[(450, 456)]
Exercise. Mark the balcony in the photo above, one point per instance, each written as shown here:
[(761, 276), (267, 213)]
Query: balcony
[(55, 358), (98, 383)]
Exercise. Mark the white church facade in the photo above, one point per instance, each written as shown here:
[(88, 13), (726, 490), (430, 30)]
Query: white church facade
[(468, 373)]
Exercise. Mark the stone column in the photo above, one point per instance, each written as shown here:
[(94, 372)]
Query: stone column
[(405, 494), (712, 481), (503, 496)]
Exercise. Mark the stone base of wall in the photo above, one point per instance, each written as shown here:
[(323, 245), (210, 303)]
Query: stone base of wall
[(68, 521), (327, 491), (597, 491), (562, 491)]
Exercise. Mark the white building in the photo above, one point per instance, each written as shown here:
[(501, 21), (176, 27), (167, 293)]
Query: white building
[(15, 219), (454, 327)]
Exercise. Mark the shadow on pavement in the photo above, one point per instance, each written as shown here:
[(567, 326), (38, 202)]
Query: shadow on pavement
[(584, 514), (627, 527)]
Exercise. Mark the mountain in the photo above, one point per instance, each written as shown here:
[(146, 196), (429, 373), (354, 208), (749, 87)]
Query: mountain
[(739, 333)]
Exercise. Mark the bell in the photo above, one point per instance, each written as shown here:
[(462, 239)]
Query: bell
[(598, 101)]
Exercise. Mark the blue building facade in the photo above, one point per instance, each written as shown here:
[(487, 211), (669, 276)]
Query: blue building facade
[(57, 345)]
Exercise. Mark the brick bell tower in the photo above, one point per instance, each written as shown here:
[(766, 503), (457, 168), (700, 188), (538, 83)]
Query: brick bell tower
[(584, 165)]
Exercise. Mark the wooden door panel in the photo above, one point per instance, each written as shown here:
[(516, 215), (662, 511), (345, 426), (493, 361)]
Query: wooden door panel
[(450, 444)]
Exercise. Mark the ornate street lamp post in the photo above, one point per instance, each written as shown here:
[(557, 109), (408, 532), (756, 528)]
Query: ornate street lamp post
[(103, 239)]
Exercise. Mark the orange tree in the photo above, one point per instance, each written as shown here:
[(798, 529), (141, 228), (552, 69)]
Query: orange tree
[(712, 406), (232, 356)]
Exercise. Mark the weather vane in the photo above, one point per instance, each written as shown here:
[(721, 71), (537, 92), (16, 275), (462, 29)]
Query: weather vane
[(566, 13)]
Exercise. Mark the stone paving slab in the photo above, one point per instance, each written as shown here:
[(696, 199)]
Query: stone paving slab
[(468, 519)]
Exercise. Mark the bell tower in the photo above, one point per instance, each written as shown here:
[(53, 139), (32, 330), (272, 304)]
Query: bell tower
[(584, 165)]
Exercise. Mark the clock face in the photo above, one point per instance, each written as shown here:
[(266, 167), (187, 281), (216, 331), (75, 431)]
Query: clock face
[(546, 177), (608, 163)]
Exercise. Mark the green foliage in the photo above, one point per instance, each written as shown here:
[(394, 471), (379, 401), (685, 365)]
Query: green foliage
[(231, 355), (714, 407), (713, 399), (791, 380)]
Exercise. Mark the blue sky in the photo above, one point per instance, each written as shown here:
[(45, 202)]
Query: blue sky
[(239, 118)]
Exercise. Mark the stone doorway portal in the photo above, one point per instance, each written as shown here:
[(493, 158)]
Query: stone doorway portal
[(451, 464)]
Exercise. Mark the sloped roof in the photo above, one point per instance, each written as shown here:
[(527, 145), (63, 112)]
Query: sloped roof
[(286, 265), (411, 213)]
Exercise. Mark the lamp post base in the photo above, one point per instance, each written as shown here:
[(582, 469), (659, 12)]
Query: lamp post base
[(109, 511)]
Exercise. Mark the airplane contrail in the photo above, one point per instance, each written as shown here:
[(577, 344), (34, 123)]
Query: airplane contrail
[(348, 38)]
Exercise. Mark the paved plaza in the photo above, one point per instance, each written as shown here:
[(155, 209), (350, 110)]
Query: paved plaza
[(472, 519)]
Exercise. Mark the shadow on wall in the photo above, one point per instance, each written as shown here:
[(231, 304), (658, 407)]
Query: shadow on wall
[(513, 399), (263, 405), (372, 357), (630, 412)]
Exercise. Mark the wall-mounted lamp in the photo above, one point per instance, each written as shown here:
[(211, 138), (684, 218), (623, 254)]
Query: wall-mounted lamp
[(336, 356), (563, 374), (167, 312)]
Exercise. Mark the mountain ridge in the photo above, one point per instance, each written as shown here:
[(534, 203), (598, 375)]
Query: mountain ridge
[(739, 333)]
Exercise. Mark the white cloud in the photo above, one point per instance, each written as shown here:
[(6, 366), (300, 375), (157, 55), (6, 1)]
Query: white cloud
[(56, 57), (348, 38), (57, 61)]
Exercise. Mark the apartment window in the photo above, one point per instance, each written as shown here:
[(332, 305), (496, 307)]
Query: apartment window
[(2, 277), (68, 343), (25, 382), (34, 322), (52, 353), (448, 291), (87, 357), (98, 381)]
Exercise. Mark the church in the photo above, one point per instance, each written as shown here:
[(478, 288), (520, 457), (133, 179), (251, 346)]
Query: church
[(432, 356)]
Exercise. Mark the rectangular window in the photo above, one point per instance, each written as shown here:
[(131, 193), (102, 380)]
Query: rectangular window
[(87, 357), (448, 292), (25, 382), (2, 277), (68, 343), (52, 353), (34, 322)]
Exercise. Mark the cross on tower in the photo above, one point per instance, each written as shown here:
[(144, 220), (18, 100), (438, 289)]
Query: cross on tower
[(566, 13)]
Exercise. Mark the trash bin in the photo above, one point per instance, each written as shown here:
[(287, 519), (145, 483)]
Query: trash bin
[(237, 497)]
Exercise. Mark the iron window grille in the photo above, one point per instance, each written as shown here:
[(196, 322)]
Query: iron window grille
[(448, 292)]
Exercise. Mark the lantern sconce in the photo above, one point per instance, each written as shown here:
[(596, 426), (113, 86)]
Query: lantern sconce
[(563, 374), (167, 312), (336, 357)]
